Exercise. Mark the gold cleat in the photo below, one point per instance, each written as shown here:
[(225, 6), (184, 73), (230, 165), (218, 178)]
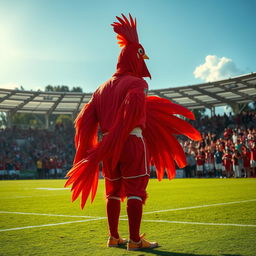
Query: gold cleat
[(115, 242), (142, 244)]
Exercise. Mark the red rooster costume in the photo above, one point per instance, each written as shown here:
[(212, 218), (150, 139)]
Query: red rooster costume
[(137, 130)]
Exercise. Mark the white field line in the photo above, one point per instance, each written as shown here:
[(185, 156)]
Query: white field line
[(123, 216), (100, 218), (18, 197), (35, 196), (53, 189), (48, 214), (14, 197), (50, 225), (199, 206), (198, 223)]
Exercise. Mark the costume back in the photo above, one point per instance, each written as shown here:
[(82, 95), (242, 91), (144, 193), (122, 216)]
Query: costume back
[(134, 124)]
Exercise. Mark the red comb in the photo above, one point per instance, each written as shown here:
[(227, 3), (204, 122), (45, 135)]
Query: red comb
[(126, 30)]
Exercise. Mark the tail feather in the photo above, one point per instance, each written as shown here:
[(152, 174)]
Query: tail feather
[(166, 106), (176, 125), (161, 127)]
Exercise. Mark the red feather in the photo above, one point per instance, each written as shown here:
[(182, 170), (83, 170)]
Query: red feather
[(84, 175), (126, 30), (161, 128)]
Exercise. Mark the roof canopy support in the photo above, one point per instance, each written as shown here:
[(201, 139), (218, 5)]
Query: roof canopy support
[(232, 91)]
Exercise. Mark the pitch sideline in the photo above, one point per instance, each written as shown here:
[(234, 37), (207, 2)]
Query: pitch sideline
[(198, 223), (93, 218), (51, 215), (200, 206), (49, 225)]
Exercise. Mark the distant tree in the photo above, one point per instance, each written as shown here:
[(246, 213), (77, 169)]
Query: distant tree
[(49, 88), (76, 89), (62, 88), (21, 88)]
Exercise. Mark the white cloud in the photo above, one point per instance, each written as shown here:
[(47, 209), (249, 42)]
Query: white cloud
[(216, 68)]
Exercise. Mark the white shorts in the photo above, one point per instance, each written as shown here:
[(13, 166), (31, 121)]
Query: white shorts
[(199, 168), (253, 163), (52, 171), (218, 166), (209, 166), (237, 171)]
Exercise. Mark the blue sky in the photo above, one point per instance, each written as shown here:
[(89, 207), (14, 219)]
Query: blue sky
[(64, 42)]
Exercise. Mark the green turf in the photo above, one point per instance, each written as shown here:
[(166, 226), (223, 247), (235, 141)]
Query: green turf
[(89, 237)]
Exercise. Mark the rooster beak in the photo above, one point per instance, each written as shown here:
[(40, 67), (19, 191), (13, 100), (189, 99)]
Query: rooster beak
[(145, 57)]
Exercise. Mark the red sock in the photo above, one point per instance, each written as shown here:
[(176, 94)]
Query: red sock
[(113, 212), (134, 211)]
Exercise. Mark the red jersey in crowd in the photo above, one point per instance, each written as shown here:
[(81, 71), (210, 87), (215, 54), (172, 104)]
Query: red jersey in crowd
[(200, 159), (253, 154), (209, 157), (59, 164), (246, 158), (227, 160)]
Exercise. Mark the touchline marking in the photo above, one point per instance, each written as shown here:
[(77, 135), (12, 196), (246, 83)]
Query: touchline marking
[(93, 218), (14, 197), (198, 206), (53, 188), (199, 223), (52, 215), (123, 216), (50, 225)]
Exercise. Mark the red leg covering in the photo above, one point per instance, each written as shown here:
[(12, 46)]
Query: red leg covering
[(134, 211), (113, 212)]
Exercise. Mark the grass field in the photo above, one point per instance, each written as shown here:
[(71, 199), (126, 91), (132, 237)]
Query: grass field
[(186, 217)]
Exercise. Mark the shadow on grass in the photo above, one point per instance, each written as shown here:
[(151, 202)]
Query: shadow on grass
[(157, 251)]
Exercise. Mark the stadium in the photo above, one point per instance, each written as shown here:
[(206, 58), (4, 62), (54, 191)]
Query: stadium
[(127, 135), (47, 151), (35, 206)]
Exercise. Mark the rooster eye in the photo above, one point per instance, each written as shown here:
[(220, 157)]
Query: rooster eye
[(140, 51)]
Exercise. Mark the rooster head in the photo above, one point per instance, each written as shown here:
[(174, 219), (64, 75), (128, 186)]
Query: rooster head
[(132, 57)]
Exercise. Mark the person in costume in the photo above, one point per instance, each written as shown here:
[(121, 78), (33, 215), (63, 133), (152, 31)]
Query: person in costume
[(138, 130)]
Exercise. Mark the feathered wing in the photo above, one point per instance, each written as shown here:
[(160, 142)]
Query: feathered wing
[(161, 128), (84, 175), (86, 126)]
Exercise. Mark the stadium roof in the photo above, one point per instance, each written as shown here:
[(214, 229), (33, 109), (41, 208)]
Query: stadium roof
[(241, 89)]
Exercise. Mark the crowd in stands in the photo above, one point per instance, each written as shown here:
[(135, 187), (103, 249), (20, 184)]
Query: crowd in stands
[(228, 149), (48, 152)]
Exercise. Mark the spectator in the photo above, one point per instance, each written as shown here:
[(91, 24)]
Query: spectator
[(209, 163), (227, 163), (200, 164), (218, 162), (236, 167), (39, 166), (246, 161), (253, 159), (21, 148)]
